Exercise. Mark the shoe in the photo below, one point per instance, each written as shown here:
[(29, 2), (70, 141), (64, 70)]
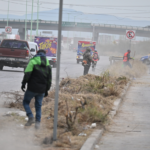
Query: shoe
[(37, 125), (30, 122)]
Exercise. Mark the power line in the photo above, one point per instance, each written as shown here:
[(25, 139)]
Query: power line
[(31, 5), (79, 12), (24, 4), (27, 4), (86, 13), (30, 12), (92, 5), (97, 6), (36, 6)]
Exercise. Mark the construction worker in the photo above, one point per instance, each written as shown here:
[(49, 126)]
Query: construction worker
[(87, 59), (126, 59), (95, 59), (38, 76)]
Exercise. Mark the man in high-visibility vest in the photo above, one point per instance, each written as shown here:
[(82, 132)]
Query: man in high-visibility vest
[(126, 59)]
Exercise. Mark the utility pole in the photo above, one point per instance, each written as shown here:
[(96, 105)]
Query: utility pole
[(8, 14), (58, 71), (31, 22), (74, 23), (80, 32), (26, 23), (37, 25), (93, 32), (68, 32), (74, 19)]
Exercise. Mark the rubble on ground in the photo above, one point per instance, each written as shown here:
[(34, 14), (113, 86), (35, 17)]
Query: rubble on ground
[(19, 113)]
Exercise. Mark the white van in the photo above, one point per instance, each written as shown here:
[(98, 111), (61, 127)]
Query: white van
[(33, 48)]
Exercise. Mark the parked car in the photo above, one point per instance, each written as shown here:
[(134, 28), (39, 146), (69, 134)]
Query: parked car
[(14, 53), (146, 59)]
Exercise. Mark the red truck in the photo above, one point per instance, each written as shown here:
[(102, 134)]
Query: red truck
[(14, 53)]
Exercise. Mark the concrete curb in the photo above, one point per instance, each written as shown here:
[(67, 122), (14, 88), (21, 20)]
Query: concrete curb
[(117, 102), (97, 134), (92, 140)]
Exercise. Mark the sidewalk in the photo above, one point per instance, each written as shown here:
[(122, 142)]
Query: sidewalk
[(130, 128)]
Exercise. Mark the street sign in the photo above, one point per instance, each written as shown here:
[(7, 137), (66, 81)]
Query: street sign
[(8, 29), (130, 34)]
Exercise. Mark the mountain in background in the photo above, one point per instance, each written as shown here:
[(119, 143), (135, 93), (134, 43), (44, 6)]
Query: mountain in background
[(77, 16)]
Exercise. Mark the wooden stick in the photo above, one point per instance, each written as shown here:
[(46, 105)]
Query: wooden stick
[(133, 59)]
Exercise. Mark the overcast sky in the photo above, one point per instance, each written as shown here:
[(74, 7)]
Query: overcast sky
[(134, 9)]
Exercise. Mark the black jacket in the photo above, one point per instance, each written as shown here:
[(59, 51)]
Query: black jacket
[(38, 74), (87, 57)]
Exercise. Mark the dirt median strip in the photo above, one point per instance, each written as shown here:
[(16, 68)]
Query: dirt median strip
[(83, 101), (97, 134)]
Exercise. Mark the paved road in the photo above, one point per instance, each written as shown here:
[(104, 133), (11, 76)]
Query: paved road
[(10, 79), (130, 129)]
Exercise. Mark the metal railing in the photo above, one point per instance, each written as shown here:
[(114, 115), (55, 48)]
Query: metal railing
[(75, 23)]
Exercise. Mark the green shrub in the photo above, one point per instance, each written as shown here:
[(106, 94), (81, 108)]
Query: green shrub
[(91, 113)]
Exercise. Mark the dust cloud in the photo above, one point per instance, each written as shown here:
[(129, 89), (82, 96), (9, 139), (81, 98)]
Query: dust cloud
[(14, 137), (138, 69), (138, 49)]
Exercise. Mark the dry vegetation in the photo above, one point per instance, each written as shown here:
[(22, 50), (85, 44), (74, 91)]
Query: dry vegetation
[(82, 101), (138, 69)]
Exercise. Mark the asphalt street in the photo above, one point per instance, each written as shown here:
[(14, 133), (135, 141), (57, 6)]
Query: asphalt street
[(130, 128), (10, 78)]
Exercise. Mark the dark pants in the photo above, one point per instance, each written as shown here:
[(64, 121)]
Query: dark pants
[(38, 104), (94, 64), (127, 63), (86, 69)]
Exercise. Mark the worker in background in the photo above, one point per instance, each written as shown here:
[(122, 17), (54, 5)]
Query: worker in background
[(126, 59), (95, 59), (87, 59), (38, 77)]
